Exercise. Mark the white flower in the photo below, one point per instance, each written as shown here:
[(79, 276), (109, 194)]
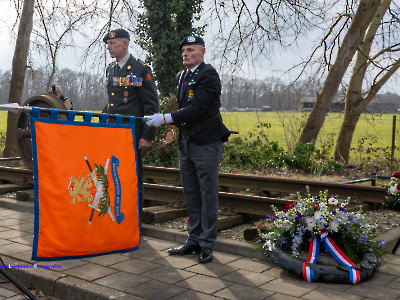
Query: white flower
[(333, 225), (333, 201), (318, 214), (310, 223), (392, 189)]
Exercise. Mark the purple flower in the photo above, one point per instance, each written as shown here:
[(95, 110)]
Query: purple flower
[(344, 229), (341, 209)]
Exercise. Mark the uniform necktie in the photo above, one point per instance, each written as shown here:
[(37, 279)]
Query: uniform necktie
[(117, 69), (185, 81)]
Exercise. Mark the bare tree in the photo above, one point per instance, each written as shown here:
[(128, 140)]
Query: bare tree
[(359, 24), (356, 99), (19, 67)]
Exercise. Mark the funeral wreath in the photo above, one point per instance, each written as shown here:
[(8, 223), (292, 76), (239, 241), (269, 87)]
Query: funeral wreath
[(321, 223)]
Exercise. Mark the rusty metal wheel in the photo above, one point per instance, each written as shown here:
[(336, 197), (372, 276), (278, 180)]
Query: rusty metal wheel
[(24, 131)]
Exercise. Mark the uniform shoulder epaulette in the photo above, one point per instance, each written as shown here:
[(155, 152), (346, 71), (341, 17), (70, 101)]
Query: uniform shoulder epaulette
[(141, 62)]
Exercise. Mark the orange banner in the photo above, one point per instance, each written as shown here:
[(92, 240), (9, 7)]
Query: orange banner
[(85, 188)]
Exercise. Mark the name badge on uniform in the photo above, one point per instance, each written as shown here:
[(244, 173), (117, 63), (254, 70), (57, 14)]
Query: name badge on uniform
[(190, 93)]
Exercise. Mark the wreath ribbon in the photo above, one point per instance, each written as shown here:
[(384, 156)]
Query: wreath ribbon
[(308, 273)]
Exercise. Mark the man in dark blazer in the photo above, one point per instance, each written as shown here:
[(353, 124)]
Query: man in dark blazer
[(131, 91), (201, 137)]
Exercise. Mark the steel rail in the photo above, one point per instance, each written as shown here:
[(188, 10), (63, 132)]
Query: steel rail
[(255, 205), (282, 185), (249, 204)]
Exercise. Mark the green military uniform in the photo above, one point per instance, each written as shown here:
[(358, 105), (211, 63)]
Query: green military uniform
[(131, 91)]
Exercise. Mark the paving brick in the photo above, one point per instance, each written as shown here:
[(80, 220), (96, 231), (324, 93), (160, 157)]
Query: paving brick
[(4, 242), (158, 244), (296, 288), (158, 290), (248, 278), (90, 271), (14, 248), (374, 291), (2, 228), (251, 265), (168, 274), (8, 234), (8, 212), (25, 227), (177, 261), (239, 291), (122, 281), (9, 222), (106, 260), (135, 266), (68, 264), (391, 259), (211, 269), (391, 269), (147, 253), (26, 239), (6, 293), (204, 284), (190, 295), (279, 296), (381, 279), (325, 293), (224, 258), (395, 284), (71, 288)]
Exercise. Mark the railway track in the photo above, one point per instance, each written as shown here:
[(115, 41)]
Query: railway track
[(171, 192)]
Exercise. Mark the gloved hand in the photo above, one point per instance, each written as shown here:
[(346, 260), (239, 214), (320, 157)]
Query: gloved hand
[(157, 120)]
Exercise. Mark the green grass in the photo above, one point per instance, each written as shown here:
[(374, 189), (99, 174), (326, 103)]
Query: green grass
[(3, 121), (286, 127)]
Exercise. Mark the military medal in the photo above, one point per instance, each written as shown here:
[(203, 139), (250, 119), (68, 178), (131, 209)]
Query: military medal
[(126, 94), (128, 67), (125, 100)]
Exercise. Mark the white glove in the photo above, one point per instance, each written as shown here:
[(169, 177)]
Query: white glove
[(157, 120)]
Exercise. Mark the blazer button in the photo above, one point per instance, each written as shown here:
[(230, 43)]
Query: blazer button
[(112, 94), (112, 104)]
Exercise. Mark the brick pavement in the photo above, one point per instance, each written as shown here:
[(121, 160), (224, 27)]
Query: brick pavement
[(237, 272)]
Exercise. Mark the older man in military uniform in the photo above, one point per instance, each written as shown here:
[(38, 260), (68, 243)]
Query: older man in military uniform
[(131, 91), (201, 137)]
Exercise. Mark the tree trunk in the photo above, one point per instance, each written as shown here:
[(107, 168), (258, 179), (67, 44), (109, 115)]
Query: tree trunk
[(343, 142), (19, 67), (365, 12), (355, 102)]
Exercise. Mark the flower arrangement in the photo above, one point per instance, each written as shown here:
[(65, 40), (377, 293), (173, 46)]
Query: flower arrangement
[(293, 228), (393, 193)]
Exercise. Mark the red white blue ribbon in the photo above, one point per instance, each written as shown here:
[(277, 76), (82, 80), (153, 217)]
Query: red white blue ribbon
[(308, 274), (330, 245)]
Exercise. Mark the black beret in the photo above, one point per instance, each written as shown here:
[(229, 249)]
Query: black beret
[(191, 40), (116, 33)]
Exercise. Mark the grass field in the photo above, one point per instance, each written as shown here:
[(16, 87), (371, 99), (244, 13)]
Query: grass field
[(285, 127)]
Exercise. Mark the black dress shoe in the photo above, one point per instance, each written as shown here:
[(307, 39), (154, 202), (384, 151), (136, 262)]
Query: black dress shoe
[(184, 249), (205, 255)]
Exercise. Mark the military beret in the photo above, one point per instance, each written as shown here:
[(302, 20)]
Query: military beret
[(191, 40), (116, 33)]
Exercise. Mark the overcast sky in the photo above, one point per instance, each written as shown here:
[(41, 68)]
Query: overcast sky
[(280, 61)]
